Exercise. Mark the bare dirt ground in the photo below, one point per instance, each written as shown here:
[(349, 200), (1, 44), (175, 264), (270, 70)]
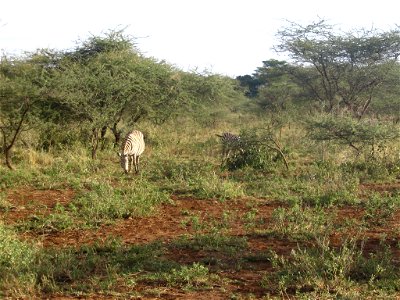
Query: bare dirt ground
[(168, 223)]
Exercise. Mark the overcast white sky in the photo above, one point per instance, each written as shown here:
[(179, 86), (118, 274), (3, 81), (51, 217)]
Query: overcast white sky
[(230, 37)]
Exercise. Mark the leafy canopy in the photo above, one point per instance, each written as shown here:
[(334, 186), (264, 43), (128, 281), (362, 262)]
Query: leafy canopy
[(341, 70)]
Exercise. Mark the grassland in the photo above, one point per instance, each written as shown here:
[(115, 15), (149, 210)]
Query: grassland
[(327, 227)]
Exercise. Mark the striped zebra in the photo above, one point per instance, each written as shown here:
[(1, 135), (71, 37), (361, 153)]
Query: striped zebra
[(230, 143), (131, 149)]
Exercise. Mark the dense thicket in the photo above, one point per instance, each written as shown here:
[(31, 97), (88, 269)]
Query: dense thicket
[(347, 82), (341, 71), (105, 83)]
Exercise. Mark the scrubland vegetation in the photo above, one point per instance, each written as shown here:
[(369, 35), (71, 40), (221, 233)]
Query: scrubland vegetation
[(307, 208)]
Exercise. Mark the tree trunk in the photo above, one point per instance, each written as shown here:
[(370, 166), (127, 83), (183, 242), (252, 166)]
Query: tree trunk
[(102, 137), (117, 135), (7, 155), (7, 148), (279, 149), (95, 142)]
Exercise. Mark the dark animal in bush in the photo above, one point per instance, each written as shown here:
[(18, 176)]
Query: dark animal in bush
[(230, 143)]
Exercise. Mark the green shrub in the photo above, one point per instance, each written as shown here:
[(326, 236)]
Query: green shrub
[(358, 134), (102, 201), (258, 151), (17, 264), (214, 187), (379, 209), (325, 269), (301, 223), (196, 275), (15, 177), (373, 169), (60, 220)]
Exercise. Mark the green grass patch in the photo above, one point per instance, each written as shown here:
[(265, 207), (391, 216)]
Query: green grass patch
[(300, 223), (100, 201), (18, 262), (338, 272)]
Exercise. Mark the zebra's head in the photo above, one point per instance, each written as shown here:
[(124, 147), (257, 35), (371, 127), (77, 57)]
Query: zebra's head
[(124, 161)]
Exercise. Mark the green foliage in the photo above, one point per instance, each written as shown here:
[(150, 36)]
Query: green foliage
[(380, 169), (387, 100), (321, 268), (178, 171), (94, 267), (203, 89), (17, 177), (211, 235), (341, 70), (256, 149), (299, 223), (249, 152), (104, 202), (251, 220), (53, 136), (380, 210), (113, 41), (351, 132), (23, 86), (16, 256), (60, 220), (330, 185), (105, 83), (278, 91), (194, 276), (250, 84), (104, 87), (212, 186), (317, 184), (17, 260), (377, 269), (195, 179), (324, 269), (97, 91)]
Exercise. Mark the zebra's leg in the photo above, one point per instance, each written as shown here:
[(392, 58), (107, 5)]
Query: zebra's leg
[(228, 153), (131, 163), (225, 156), (137, 163), (222, 158)]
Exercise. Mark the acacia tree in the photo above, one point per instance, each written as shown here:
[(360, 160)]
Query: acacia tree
[(250, 84), (95, 91), (106, 81), (278, 89), (358, 134), (341, 70), (151, 92), (93, 82), (24, 85)]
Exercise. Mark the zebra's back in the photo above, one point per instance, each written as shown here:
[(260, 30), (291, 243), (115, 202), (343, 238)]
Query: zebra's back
[(228, 138), (133, 143), (230, 143)]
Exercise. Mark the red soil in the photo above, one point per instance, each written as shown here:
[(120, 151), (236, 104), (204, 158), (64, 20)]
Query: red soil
[(171, 221)]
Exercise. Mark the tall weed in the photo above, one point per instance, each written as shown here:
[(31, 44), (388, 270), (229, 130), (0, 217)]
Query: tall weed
[(17, 265), (324, 269), (299, 223), (102, 202)]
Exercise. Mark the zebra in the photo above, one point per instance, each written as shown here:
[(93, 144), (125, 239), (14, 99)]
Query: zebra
[(230, 142), (131, 149)]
